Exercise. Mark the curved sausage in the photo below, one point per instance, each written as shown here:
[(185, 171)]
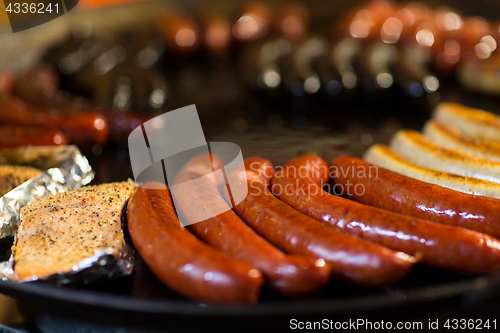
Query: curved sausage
[(437, 245), (351, 259), (286, 274), (401, 194), (179, 259)]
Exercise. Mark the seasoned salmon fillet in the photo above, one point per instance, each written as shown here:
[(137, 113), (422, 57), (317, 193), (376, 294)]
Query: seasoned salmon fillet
[(59, 231), (11, 176)]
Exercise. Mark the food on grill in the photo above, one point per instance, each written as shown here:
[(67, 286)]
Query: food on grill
[(475, 123), (58, 232), (385, 157), (286, 274), (11, 176), (84, 128), (435, 244)]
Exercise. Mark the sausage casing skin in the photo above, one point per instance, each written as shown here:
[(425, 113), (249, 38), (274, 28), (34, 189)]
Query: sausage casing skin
[(179, 259), (352, 259), (401, 194), (436, 244), (81, 128), (285, 274), (450, 136), (420, 150)]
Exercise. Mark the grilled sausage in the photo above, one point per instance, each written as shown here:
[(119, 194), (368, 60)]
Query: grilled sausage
[(179, 259), (437, 245), (401, 194), (385, 157), (351, 259), (450, 136), (286, 274)]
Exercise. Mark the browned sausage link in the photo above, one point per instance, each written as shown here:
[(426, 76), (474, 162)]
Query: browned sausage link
[(81, 128), (179, 259), (286, 274), (253, 23), (15, 136), (292, 20), (351, 259), (439, 245), (401, 194), (122, 123)]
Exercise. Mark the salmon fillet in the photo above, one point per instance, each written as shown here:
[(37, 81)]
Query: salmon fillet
[(11, 176), (58, 232)]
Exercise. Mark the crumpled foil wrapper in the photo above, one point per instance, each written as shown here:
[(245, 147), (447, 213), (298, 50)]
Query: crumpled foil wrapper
[(65, 168)]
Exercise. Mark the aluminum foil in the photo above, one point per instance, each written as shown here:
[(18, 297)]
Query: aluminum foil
[(65, 168)]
